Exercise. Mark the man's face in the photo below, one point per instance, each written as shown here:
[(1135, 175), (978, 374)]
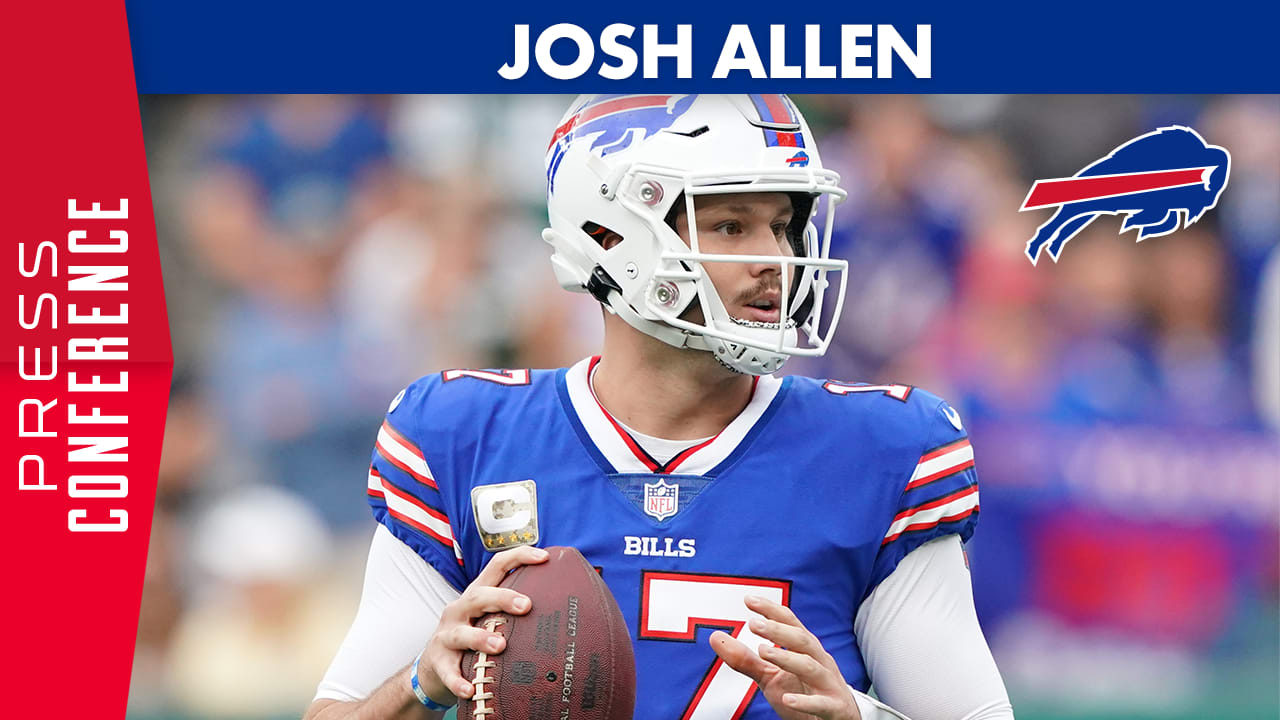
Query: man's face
[(743, 224)]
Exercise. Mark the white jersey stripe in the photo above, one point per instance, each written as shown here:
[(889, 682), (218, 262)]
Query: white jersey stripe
[(959, 506), (941, 465), (375, 482), (402, 455), (406, 507)]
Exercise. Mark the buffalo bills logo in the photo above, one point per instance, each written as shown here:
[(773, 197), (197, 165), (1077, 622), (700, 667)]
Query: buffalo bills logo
[(614, 122), (800, 159), (1155, 180)]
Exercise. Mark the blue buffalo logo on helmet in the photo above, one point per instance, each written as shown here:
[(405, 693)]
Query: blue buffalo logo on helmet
[(1160, 181), (615, 121), (800, 159)]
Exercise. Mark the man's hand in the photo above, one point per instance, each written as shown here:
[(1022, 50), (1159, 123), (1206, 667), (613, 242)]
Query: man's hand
[(801, 681), (439, 671)]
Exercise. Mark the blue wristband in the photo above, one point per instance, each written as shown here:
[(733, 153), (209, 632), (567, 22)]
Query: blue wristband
[(417, 689)]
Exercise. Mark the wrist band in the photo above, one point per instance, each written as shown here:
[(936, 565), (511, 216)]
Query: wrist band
[(417, 689)]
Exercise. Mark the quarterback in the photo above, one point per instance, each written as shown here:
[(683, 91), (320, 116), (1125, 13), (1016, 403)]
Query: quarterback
[(778, 545)]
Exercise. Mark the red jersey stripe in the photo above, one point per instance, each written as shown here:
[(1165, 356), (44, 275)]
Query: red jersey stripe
[(934, 523), (421, 528), (425, 480), (400, 438), (939, 475), (944, 449), (963, 492), (387, 486)]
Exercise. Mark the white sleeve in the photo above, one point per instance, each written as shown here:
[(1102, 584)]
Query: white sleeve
[(401, 604), (923, 648)]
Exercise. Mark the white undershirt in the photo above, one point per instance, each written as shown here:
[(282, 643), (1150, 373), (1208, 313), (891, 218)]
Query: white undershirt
[(918, 634), (661, 449)]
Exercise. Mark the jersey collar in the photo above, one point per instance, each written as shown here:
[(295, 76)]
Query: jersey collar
[(625, 455)]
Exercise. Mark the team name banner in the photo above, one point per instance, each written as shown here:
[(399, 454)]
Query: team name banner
[(739, 53), (927, 47)]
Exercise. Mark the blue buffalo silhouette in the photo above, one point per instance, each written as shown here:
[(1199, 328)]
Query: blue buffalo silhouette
[(617, 131), (1152, 212)]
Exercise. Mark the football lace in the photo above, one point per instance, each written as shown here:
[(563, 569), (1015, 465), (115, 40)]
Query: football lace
[(481, 666)]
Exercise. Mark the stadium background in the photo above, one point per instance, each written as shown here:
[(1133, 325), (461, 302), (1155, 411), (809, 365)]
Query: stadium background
[(321, 252)]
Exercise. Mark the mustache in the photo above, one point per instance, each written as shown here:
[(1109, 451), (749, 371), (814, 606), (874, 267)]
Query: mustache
[(764, 285)]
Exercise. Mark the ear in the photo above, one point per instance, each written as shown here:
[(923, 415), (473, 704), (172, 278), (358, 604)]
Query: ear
[(610, 240)]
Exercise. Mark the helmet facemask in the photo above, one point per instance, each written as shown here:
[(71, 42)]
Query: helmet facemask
[(806, 321)]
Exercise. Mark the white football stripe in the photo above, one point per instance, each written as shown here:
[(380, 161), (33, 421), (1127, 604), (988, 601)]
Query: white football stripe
[(375, 482), (933, 515), (401, 452), (959, 456)]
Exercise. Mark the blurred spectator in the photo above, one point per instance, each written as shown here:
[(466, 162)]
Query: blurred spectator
[(994, 345), (1266, 349), (286, 183), (1094, 306), (1056, 136), (163, 606), (399, 288), (1249, 127), (482, 157), (1195, 365), (189, 442), (263, 630), (901, 231)]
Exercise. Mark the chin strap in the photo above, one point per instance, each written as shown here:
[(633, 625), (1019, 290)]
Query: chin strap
[(600, 285)]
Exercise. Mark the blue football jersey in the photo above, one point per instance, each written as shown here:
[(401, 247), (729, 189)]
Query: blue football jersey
[(810, 497)]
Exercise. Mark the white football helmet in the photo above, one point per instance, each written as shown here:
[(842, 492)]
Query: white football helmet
[(620, 162)]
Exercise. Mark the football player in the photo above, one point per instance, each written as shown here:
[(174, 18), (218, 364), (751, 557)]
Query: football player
[(776, 544)]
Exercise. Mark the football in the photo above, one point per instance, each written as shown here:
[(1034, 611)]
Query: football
[(569, 658)]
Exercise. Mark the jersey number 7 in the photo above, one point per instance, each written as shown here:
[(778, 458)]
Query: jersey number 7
[(674, 605), (501, 377), (897, 392)]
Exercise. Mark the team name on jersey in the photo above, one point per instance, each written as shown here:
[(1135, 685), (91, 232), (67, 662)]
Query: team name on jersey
[(658, 547)]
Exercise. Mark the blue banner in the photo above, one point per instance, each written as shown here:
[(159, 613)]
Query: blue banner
[(926, 47)]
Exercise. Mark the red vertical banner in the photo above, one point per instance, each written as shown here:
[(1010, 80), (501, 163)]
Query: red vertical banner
[(86, 338)]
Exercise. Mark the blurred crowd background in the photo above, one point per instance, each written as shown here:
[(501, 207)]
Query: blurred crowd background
[(321, 252)]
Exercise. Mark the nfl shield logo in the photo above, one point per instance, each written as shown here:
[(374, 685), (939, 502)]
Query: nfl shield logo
[(661, 499)]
